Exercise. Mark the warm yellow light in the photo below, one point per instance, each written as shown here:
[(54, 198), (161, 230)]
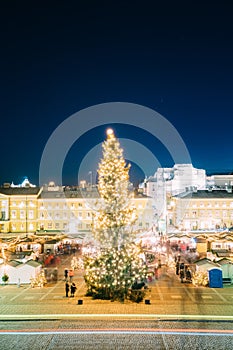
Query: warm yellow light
[(109, 132)]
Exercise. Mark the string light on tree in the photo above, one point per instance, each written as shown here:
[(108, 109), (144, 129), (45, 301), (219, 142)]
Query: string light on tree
[(111, 273)]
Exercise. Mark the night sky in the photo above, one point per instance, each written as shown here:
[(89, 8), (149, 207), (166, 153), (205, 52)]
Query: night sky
[(59, 57)]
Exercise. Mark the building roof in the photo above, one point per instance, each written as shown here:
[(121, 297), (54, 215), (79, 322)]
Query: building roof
[(225, 261), (14, 263), (20, 191), (79, 193), (73, 193), (206, 194), (205, 261), (33, 263)]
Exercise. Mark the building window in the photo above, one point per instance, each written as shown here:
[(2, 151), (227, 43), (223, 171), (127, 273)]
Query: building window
[(64, 226), (80, 215), (13, 227), (31, 214), (80, 205), (31, 228), (57, 226), (80, 226), (21, 205), (22, 214), (50, 225), (22, 227)]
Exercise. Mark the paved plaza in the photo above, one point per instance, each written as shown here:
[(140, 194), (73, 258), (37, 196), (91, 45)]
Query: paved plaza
[(167, 297), (178, 316)]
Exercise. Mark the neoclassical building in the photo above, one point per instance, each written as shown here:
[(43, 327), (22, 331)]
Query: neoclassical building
[(27, 209), (202, 209)]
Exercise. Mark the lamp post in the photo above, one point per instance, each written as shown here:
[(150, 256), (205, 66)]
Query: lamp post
[(90, 173)]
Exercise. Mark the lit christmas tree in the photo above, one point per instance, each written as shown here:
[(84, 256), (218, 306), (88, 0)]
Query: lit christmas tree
[(120, 263)]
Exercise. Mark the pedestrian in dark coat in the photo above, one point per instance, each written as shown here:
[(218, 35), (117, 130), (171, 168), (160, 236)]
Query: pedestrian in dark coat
[(66, 274), (72, 289), (67, 288), (182, 275)]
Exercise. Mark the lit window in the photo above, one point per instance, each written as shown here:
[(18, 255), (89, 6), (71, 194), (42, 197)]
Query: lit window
[(22, 214), (31, 214)]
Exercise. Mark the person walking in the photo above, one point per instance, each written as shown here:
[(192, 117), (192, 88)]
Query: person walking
[(177, 268), (67, 289), (71, 275), (182, 275), (72, 289), (65, 274)]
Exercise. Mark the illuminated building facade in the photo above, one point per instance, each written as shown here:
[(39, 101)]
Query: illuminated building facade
[(203, 210), (27, 209)]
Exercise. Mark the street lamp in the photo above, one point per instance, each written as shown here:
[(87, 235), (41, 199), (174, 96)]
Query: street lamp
[(90, 173)]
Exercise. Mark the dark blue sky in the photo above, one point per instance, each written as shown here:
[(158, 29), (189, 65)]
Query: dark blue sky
[(59, 57)]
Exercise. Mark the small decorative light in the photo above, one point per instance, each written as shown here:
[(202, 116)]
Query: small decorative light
[(110, 132)]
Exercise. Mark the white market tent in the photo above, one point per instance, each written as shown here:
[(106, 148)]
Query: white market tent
[(19, 272)]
